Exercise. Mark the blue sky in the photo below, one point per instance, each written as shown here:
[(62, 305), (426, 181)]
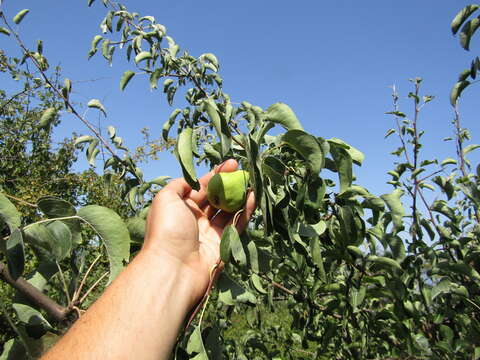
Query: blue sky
[(333, 62)]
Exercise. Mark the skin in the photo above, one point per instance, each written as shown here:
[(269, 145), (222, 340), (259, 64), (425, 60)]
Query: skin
[(141, 313)]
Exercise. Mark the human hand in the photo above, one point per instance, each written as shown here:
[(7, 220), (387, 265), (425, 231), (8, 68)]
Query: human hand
[(182, 226)]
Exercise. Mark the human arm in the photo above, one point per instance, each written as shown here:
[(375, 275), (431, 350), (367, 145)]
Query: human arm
[(142, 311)]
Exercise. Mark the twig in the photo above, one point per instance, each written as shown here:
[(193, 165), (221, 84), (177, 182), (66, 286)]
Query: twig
[(79, 290), (19, 200), (65, 287), (92, 287)]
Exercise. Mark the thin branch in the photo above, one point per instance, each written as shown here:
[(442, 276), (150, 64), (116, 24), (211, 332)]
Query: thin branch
[(19, 200), (93, 287), (65, 287), (79, 290)]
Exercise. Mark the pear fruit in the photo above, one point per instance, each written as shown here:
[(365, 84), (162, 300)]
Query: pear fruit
[(228, 190)]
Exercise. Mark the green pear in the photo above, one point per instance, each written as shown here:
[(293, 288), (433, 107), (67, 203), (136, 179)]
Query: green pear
[(228, 190)]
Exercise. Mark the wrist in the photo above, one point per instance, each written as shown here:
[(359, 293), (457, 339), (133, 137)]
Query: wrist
[(184, 272)]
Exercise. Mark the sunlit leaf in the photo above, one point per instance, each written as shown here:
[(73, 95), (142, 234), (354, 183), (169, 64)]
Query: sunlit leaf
[(20, 15), (395, 205), (282, 114), (461, 16), (95, 103), (114, 233), (126, 77), (9, 213), (47, 117), (184, 153)]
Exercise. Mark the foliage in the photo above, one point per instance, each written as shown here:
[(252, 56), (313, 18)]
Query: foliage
[(326, 269)]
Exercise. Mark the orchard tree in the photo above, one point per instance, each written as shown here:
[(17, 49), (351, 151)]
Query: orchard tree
[(325, 270)]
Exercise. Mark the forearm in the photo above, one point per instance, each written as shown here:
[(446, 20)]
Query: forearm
[(138, 317)]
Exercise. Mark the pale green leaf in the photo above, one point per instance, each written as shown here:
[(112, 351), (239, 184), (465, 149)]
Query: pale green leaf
[(9, 213), (144, 55), (20, 15), (95, 103), (126, 77), (461, 16), (307, 146), (282, 114), (47, 117), (184, 153), (394, 203)]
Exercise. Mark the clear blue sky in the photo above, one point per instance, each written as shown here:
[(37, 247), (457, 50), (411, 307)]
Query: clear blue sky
[(332, 61)]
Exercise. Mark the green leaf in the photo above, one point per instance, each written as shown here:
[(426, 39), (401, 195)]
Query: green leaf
[(317, 257), (114, 233), (470, 148), (220, 124), (136, 228), (395, 205), (20, 15), (343, 163), (55, 207), (381, 260), (168, 124), (144, 55), (211, 59), (396, 246), (47, 117), (457, 91), (126, 77), (228, 235), (307, 146), (83, 139), (282, 114), (184, 153), (9, 213), (448, 161), (195, 345), (13, 349), (461, 16), (4, 31), (446, 286), (63, 239), (94, 45), (15, 254), (356, 155), (229, 292), (467, 32), (236, 246), (357, 296), (90, 2), (95, 103), (459, 269)]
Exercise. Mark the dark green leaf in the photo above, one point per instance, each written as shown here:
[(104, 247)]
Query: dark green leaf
[(467, 32), (4, 31), (457, 91), (168, 124), (15, 254), (343, 163)]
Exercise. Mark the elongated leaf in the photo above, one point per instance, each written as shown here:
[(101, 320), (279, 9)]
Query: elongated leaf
[(470, 148), (457, 91), (317, 257), (15, 254), (356, 155), (9, 213), (95, 103), (195, 345), (168, 124), (307, 146), (113, 232), (282, 114), (83, 139), (461, 16), (13, 349), (184, 153), (225, 244), (4, 31), (381, 260), (230, 292), (144, 55), (126, 77), (394, 203), (343, 162), (220, 125), (20, 15), (94, 45), (63, 239), (459, 269), (467, 32), (55, 207)]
